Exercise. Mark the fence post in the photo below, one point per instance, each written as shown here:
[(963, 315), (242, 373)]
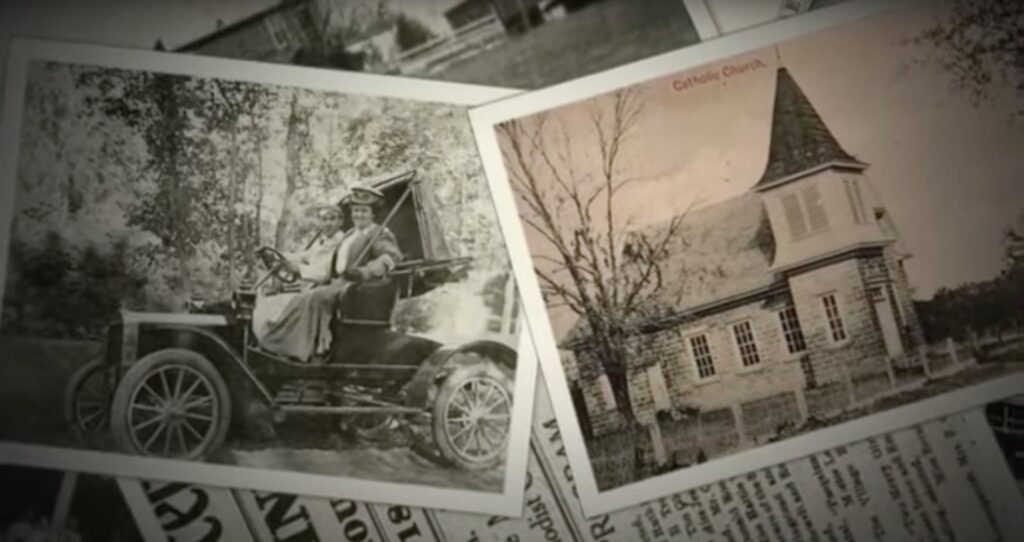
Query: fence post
[(848, 383), (801, 403), (889, 371), (741, 429), (654, 429), (923, 353), (951, 348)]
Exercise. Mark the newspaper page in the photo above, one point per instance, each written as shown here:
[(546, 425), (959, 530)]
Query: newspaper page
[(936, 481)]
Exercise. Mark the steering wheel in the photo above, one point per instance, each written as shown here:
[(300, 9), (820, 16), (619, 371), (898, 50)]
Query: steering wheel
[(277, 266)]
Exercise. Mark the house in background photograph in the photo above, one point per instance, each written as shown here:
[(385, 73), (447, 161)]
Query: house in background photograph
[(789, 303), (512, 43), (274, 34)]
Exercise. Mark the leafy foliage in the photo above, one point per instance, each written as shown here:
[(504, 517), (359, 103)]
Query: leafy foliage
[(981, 44), (411, 33), (66, 292), (585, 259), (994, 305), (181, 178)]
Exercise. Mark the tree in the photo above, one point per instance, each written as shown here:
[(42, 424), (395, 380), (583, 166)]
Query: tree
[(981, 44), (411, 33), (587, 263)]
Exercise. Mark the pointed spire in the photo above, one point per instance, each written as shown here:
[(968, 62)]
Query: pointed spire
[(800, 140)]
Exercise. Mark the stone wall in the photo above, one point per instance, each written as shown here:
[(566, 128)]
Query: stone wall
[(834, 362)]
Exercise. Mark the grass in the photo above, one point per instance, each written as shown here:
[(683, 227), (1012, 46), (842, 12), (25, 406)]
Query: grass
[(601, 36)]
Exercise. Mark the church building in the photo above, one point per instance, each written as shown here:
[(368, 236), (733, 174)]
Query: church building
[(783, 300)]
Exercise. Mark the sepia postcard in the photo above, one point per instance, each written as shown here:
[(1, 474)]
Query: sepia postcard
[(768, 244), (258, 276), (523, 44)]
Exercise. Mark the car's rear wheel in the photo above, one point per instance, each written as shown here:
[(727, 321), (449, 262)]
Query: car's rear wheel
[(472, 415), (171, 403), (87, 402)]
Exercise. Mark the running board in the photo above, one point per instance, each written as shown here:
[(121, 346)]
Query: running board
[(335, 410)]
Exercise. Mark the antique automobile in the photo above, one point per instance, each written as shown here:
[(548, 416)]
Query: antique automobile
[(174, 385)]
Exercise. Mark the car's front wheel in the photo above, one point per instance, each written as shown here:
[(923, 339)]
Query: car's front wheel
[(171, 403)]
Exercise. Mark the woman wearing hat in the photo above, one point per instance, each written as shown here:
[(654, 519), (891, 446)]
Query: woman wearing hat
[(299, 325)]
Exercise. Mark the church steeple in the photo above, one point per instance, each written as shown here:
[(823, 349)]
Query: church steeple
[(800, 140)]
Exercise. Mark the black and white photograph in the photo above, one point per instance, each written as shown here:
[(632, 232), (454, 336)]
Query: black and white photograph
[(43, 505), (1006, 418), (521, 44), (813, 239), (229, 275)]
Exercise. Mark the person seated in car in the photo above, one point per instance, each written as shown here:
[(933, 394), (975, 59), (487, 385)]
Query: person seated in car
[(298, 325)]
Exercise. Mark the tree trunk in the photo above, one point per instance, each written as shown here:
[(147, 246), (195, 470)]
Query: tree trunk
[(292, 144)]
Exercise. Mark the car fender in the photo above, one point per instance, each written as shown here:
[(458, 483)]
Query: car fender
[(436, 367), (215, 348)]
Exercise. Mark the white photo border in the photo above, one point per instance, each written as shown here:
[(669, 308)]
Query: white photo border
[(594, 501), (24, 51)]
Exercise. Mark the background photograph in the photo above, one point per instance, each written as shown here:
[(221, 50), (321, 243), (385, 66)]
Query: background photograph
[(782, 241)]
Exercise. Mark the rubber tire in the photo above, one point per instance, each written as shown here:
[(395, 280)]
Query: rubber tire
[(71, 392), (143, 368), (451, 384)]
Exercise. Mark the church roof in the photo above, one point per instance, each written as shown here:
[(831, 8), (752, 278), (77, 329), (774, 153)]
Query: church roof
[(722, 251), (800, 140)]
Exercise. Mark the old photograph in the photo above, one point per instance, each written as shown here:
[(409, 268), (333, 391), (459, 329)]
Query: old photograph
[(714, 18), (794, 247), (511, 43), (235, 282), (1006, 418)]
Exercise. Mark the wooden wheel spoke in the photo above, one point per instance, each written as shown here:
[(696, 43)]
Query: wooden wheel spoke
[(197, 403), (156, 432), (163, 383), (86, 419), (177, 384), (147, 408), (487, 396), (167, 439), (187, 425), (463, 430), (195, 416), (501, 399), (476, 433), (181, 438), (483, 433), (151, 391), (464, 447), (188, 393), (147, 423)]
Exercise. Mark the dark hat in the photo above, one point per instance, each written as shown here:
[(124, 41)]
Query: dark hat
[(362, 196)]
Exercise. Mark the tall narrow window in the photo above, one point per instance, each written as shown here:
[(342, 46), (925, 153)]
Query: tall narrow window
[(816, 218), (837, 331), (791, 330), (856, 201), (702, 356), (745, 343), (794, 216)]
